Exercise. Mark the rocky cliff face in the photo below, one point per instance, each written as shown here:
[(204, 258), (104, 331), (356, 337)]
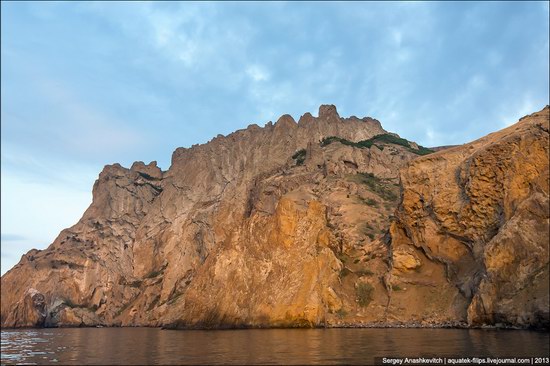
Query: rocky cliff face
[(479, 215), (284, 226)]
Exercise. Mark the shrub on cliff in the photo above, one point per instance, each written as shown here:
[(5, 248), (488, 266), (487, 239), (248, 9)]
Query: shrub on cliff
[(382, 138), (299, 156), (364, 293)]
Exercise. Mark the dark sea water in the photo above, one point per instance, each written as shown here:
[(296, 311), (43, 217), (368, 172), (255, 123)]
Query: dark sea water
[(130, 346)]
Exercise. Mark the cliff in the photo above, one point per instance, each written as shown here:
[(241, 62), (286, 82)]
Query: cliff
[(293, 224), (476, 220)]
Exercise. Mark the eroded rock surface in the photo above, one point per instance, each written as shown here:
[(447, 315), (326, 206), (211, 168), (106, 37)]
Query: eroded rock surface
[(477, 216), (273, 227)]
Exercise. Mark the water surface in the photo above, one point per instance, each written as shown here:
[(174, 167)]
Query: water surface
[(138, 346)]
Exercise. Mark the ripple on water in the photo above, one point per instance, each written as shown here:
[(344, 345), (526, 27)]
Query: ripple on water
[(276, 346), (19, 346)]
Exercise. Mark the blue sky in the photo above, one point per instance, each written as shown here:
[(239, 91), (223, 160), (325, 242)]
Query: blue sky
[(89, 84)]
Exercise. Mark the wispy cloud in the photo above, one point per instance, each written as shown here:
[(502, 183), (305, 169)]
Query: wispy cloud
[(33, 213), (47, 170), (12, 237), (257, 73), (89, 83), (86, 128)]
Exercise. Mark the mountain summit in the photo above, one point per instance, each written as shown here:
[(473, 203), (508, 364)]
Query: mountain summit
[(327, 221)]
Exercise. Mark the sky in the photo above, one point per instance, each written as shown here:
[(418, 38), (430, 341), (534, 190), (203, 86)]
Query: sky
[(85, 84)]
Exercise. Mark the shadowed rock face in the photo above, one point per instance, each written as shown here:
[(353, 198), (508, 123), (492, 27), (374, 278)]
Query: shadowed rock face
[(269, 227)]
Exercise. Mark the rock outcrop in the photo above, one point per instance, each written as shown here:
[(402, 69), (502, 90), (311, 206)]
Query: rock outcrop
[(479, 215), (292, 225)]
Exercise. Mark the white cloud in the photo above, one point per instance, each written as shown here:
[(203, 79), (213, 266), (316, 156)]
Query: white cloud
[(257, 73), (397, 37), (81, 126), (517, 110), (468, 93), (173, 34), (399, 62), (174, 31), (47, 170), (433, 138), (404, 55)]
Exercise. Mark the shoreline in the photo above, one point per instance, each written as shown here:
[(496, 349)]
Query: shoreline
[(341, 326)]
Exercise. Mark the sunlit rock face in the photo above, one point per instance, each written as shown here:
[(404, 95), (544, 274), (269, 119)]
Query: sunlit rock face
[(476, 217), (297, 224)]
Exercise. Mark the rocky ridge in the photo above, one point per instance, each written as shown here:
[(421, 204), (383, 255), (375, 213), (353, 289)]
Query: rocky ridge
[(327, 221)]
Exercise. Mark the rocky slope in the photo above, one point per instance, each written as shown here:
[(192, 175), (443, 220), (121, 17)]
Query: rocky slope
[(292, 225), (475, 218)]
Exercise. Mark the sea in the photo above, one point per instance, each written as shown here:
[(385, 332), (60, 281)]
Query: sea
[(363, 346)]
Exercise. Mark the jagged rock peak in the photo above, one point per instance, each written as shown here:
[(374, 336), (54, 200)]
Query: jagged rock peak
[(112, 170), (306, 119), (285, 120), (308, 129), (268, 227), (328, 111), (151, 169)]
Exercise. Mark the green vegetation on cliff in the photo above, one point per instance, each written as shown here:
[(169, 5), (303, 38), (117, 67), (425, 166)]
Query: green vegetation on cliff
[(299, 156), (382, 138)]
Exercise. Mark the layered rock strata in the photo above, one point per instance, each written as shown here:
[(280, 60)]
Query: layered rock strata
[(280, 226)]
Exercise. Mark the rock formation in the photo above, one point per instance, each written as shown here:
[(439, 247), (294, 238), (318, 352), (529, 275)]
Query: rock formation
[(478, 217), (324, 222)]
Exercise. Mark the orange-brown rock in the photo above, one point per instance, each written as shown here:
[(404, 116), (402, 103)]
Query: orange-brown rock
[(478, 215), (269, 227)]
